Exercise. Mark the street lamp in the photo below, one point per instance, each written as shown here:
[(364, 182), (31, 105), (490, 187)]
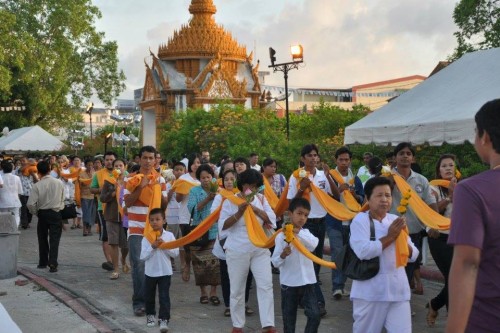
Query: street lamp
[(106, 140), (90, 107), (297, 53)]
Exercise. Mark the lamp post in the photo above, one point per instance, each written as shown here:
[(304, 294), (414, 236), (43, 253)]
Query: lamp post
[(106, 140), (297, 58), (90, 107)]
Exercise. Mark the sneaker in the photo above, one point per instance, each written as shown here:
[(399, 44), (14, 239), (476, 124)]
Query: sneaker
[(322, 310), (337, 294), (163, 325), (345, 293), (150, 320)]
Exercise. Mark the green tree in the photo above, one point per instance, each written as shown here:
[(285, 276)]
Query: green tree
[(55, 61), (479, 25)]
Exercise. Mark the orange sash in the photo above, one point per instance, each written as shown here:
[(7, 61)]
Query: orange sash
[(182, 186), (279, 205), (440, 182), (29, 169), (349, 199), (402, 252)]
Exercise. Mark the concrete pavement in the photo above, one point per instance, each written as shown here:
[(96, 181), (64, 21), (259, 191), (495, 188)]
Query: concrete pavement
[(88, 301)]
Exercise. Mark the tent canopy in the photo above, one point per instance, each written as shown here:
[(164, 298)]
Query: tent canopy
[(440, 109), (32, 138)]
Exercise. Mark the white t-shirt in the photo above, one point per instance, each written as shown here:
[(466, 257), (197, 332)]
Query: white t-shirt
[(319, 179), (172, 213), (10, 192), (184, 214)]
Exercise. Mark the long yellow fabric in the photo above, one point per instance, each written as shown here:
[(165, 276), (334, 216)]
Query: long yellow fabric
[(402, 252), (440, 182), (424, 213), (27, 170), (349, 199), (311, 256), (332, 206), (279, 205), (182, 186)]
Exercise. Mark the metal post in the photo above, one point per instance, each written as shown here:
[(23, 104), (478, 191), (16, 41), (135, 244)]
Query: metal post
[(285, 72), (90, 114)]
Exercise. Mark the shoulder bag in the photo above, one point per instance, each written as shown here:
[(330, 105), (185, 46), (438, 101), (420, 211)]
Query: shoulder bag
[(353, 267)]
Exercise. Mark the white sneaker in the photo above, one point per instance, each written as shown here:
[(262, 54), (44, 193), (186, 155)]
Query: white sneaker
[(345, 293), (150, 321), (337, 294), (163, 325)]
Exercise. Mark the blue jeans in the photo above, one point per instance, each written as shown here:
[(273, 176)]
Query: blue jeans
[(338, 235), (317, 228), (163, 283), (290, 298), (134, 246)]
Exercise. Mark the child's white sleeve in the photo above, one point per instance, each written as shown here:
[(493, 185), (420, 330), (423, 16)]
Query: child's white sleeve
[(279, 245), (309, 240), (146, 249), (169, 237)]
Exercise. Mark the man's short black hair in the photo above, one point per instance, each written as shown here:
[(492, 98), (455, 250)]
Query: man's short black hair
[(374, 182), (402, 146), (488, 120), (43, 167), (299, 203), (309, 148), (155, 211), (375, 166), (343, 150), (147, 149), (109, 153), (253, 154), (7, 166), (389, 154), (179, 163), (249, 176)]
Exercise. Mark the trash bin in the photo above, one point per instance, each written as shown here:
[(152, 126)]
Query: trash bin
[(9, 245)]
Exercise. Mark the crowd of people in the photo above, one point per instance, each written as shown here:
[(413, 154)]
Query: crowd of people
[(141, 206)]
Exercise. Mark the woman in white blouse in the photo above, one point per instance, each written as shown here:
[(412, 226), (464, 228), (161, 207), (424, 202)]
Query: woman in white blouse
[(384, 300), (242, 255)]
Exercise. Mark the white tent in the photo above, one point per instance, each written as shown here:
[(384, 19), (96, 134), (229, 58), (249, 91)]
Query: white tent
[(440, 109), (32, 138)]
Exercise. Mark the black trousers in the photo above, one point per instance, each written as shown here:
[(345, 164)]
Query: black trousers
[(410, 268), (25, 213), (442, 254), (49, 230), (163, 283)]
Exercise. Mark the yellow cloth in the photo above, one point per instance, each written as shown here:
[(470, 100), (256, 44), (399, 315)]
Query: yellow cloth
[(27, 170), (440, 182), (72, 175), (349, 199), (279, 205), (427, 215), (402, 252), (305, 193), (182, 186), (332, 206)]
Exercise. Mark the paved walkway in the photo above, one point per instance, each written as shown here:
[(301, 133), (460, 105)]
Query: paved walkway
[(86, 300)]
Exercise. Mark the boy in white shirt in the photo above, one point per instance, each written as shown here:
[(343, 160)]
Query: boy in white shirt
[(297, 276), (158, 271)]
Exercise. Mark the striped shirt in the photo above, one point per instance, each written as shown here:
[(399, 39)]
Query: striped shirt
[(138, 212)]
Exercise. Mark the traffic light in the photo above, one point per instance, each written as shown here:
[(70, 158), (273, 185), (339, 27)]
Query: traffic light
[(272, 55)]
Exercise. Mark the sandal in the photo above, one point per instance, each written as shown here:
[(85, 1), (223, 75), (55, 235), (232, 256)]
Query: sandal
[(204, 299), (227, 312), (248, 310), (431, 315), (185, 274), (214, 300), (114, 276), (125, 268)]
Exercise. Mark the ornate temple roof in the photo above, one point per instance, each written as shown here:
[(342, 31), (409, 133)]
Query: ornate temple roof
[(202, 37)]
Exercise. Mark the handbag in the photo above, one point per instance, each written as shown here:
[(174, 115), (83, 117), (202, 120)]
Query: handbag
[(69, 211), (353, 267)]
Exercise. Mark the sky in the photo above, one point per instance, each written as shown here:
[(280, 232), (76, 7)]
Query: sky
[(345, 43)]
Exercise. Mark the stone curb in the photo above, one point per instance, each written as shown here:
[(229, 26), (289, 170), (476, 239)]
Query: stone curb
[(67, 299)]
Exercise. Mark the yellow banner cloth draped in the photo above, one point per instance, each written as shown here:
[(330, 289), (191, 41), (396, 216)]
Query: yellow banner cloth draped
[(73, 174), (402, 252), (78, 193), (27, 170), (332, 206), (150, 196), (114, 181), (279, 205), (349, 199), (182, 186), (440, 182), (427, 215)]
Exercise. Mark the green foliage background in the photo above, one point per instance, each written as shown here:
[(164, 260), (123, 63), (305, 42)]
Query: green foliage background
[(236, 131)]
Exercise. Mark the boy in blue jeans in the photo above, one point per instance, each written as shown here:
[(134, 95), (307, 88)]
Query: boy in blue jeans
[(297, 276), (158, 271)]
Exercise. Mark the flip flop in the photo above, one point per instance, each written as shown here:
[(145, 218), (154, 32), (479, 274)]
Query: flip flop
[(114, 275), (214, 300), (431, 315), (204, 299)]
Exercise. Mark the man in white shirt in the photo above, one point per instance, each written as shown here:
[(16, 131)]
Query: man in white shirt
[(10, 191), (364, 172), (316, 220), (254, 159)]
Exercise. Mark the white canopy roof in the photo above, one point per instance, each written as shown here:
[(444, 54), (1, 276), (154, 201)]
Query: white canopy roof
[(32, 138), (440, 109)]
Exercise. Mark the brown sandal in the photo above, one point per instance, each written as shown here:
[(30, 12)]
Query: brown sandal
[(431, 315), (186, 273)]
